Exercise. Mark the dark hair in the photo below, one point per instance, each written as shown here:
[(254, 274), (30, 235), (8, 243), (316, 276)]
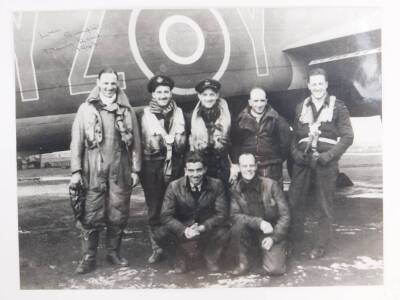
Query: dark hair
[(194, 157), (317, 71), (107, 70)]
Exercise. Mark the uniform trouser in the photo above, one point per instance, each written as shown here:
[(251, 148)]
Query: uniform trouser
[(106, 204), (153, 183), (218, 165), (244, 238), (318, 183), (209, 244)]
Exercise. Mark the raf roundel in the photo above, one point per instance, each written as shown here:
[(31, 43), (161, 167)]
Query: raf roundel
[(177, 57)]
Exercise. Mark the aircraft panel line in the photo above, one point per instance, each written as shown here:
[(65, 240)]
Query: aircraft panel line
[(345, 56)]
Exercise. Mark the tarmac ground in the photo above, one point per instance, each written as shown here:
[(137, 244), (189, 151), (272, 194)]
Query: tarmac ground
[(49, 242)]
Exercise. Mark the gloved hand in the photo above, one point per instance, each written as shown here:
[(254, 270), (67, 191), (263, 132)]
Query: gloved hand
[(76, 179), (300, 157), (324, 158), (267, 243), (266, 227)]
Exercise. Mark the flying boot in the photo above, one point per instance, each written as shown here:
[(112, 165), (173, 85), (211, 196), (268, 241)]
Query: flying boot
[(90, 241), (243, 266), (158, 252), (113, 246)]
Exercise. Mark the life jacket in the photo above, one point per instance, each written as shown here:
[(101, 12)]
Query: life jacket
[(199, 138), (93, 122), (154, 135)]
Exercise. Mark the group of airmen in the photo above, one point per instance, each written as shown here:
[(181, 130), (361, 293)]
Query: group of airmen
[(212, 184)]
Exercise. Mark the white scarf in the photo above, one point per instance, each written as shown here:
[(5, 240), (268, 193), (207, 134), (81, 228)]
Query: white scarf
[(107, 101), (154, 126), (151, 127)]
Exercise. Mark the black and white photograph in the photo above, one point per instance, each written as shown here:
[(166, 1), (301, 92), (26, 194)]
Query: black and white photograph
[(197, 147)]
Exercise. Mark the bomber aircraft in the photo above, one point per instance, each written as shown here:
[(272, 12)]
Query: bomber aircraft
[(59, 53)]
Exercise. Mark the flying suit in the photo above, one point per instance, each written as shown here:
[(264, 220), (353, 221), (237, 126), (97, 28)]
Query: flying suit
[(328, 132), (105, 148)]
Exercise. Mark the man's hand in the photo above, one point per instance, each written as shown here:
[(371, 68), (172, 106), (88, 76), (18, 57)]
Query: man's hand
[(198, 228), (76, 179), (266, 227), (191, 233), (267, 243), (234, 173), (135, 179)]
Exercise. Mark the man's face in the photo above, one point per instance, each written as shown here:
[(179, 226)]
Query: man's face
[(162, 95), (258, 105), (107, 84), (248, 167), (195, 171), (208, 98), (317, 86)]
